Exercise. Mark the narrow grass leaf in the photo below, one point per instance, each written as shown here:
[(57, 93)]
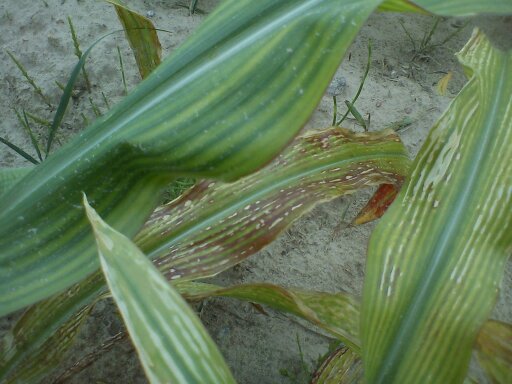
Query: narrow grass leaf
[(172, 344), (342, 366), (141, 34), (222, 106), (494, 351), (436, 259), (19, 151)]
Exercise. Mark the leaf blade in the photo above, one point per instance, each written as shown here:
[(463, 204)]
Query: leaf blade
[(172, 344), (439, 235)]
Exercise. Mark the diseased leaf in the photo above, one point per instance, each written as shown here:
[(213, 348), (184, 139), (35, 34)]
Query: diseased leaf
[(400, 6), (442, 85), (378, 204), (45, 359), (224, 104), (40, 338), (172, 343), (216, 225), (494, 351), (436, 258), (317, 162), (336, 313), (342, 366), (141, 34)]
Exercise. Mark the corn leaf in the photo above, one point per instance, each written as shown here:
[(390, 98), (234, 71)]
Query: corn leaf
[(141, 34), (336, 313), (10, 176), (222, 106), (317, 163), (448, 7), (494, 351), (436, 259), (378, 204), (465, 7), (173, 345), (217, 225), (342, 366), (32, 367)]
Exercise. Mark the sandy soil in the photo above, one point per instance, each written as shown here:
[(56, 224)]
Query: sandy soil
[(312, 254)]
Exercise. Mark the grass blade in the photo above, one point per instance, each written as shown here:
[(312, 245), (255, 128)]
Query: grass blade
[(437, 257), (172, 344), (351, 104), (19, 151)]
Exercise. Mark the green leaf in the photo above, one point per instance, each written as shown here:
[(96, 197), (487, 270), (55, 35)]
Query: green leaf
[(173, 345), (494, 351), (10, 176), (141, 34), (217, 225), (342, 366), (456, 8), (223, 105), (460, 8), (336, 313), (436, 259)]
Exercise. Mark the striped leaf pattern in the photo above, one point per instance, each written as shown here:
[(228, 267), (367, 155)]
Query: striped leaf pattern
[(317, 162), (47, 326), (223, 105), (494, 351), (173, 345), (342, 366), (217, 225), (466, 7), (436, 259), (455, 8)]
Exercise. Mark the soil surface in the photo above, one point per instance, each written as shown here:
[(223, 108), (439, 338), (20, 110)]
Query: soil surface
[(314, 253)]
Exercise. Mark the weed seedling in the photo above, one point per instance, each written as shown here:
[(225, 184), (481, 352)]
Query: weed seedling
[(122, 70), (350, 104), (30, 80), (78, 52)]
